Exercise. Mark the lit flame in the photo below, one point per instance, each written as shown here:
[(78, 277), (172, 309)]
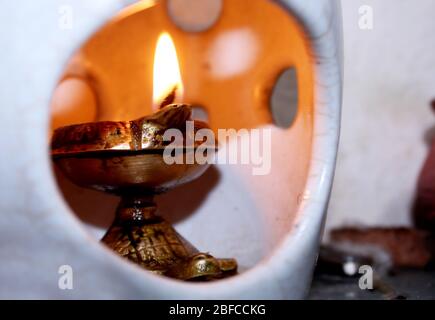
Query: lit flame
[(166, 71)]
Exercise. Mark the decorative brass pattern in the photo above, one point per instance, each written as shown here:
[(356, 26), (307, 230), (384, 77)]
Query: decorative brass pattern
[(149, 241)]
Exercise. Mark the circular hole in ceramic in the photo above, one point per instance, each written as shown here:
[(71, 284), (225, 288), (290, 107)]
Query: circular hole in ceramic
[(73, 101), (284, 99), (199, 113), (194, 15), (229, 72)]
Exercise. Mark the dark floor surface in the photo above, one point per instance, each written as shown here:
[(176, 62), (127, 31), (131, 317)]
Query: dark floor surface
[(404, 284)]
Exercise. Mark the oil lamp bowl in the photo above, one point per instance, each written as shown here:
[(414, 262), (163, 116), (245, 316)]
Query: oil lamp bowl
[(122, 171)]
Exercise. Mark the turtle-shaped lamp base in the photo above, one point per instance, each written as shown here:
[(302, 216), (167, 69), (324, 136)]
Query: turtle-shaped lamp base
[(148, 240)]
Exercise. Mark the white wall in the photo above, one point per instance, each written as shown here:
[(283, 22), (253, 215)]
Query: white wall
[(389, 80)]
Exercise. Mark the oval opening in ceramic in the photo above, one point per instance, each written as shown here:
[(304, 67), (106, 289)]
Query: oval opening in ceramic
[(229, 70), (284, 99)]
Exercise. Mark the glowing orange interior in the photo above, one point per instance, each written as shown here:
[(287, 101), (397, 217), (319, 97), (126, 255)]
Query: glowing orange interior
[(228, 69)]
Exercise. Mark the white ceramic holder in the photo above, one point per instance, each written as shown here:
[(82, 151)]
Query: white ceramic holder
[(39, 233)]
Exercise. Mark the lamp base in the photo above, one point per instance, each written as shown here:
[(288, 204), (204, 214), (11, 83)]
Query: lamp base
[(148, 240)]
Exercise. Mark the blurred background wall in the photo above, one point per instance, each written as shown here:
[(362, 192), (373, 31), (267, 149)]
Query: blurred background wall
[(389, 81)]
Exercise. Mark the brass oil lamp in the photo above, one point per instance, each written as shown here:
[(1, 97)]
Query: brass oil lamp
[(126, 158)]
